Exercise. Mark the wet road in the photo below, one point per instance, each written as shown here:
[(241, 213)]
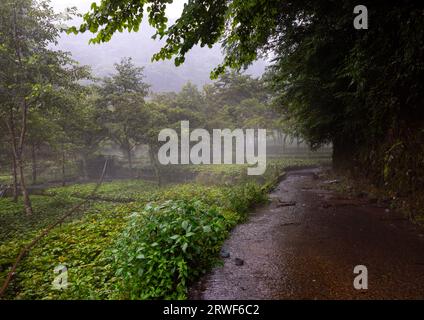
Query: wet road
[(308, 249)]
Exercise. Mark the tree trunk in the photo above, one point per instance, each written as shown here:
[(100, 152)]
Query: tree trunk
[(19, 155), (18, 146), (33, 164), (17, 150), (25, 194), (155, 165), (15, 190), (63, 168), (285, 142)]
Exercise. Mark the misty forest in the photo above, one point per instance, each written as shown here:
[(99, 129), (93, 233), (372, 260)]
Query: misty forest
[(88, 210)]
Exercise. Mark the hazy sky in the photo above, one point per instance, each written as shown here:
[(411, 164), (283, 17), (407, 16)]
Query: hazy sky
[(174, 10), (163, 75)]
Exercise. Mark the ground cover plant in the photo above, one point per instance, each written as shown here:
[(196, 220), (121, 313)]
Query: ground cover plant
[(144, 242)]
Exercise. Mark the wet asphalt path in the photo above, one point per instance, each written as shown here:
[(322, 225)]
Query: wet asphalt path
[(308, 249)]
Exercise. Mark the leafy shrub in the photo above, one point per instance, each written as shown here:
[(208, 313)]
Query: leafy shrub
[(166, 246), (237, 198)]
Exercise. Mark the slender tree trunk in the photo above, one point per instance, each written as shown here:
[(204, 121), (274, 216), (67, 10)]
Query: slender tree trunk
[(25, 194), (15, 190), (33, 164), (19, 158), (17, 149), (154, 163), (18, 146), (63, 167)]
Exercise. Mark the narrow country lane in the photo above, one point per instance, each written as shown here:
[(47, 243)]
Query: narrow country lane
[(306, 243)]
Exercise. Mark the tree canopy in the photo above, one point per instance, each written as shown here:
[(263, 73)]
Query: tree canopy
[(34, 78), (359, 89)]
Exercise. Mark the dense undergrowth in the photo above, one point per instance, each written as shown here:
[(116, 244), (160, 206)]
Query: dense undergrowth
[(144, 242)]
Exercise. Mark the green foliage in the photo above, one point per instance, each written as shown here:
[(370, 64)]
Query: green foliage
[(237, 198), (111, 16), (358, 89), (177, 228), (84, 244), (119, 191), (166, 246), (15, 224), (133, 239), (79, 245), (121, 104), (220, 174), (229, 174)]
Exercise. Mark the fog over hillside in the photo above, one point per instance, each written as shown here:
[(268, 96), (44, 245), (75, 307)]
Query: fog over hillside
[(162, 75)]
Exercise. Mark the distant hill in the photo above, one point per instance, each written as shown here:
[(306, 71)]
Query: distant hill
[(163, 75)]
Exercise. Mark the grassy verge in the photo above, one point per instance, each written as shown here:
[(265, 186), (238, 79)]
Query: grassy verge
[(116, 191)]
